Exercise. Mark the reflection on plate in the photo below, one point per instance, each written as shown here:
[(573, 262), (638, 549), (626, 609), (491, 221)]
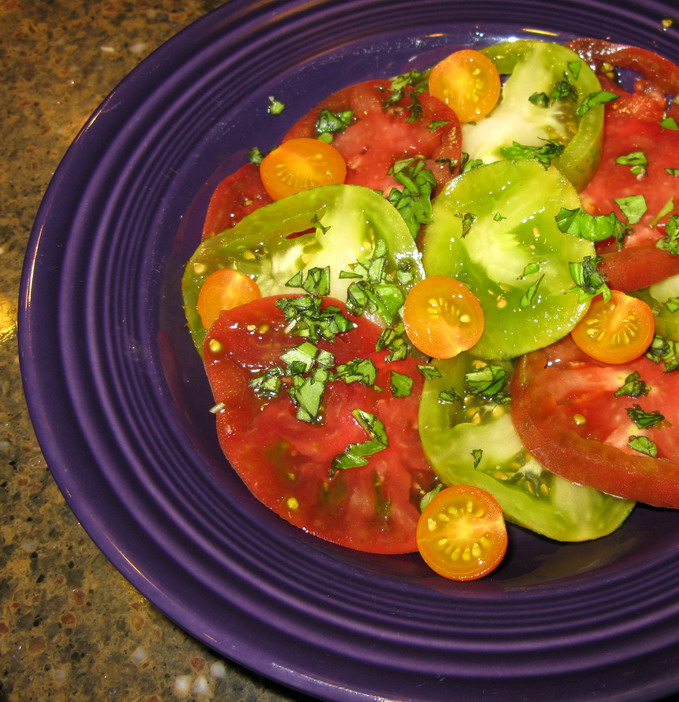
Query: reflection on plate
[(120, 402)]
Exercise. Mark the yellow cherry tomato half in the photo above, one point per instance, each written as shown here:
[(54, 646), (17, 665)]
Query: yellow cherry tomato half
[(442, 317), (223, 290), (468, 82), (461, 534), (301, 164), (616, 331)]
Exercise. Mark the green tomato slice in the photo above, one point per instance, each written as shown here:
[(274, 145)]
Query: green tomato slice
[(334, 225), (472, 441), (542, 69), (493, 228)]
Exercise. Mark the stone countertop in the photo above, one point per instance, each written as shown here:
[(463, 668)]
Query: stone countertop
[(71, 627)]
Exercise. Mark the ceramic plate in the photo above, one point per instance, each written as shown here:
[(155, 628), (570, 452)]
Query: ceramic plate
[(120, 402)]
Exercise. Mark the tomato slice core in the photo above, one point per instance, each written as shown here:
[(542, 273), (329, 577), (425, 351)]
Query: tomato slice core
[(468, 82), (442, 317), (615, 331), (461, 533), (301, 164)]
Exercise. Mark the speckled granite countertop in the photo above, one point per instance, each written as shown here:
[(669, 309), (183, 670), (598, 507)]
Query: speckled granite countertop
[(71, 628)]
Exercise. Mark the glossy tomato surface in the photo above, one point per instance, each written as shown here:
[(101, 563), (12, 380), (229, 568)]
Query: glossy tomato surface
[(572, 416), (287, 462)]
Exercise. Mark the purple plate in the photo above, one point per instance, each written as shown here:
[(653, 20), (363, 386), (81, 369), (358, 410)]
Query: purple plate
[(119, 399)]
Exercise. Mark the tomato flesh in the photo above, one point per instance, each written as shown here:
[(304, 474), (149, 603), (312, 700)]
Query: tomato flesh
[(461, 533), (285, 462), (468, 82), (442, 317), (617, 330), (568, 417)]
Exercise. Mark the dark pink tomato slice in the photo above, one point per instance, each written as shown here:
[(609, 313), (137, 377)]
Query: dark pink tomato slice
[(379, 136), (286, 462), (568, 417)]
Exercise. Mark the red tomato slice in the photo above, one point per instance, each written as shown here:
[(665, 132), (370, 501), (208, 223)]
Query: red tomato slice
[(654, 67), (286, 462), (566, 413), (380, 136), (235, 197), (633, 125)]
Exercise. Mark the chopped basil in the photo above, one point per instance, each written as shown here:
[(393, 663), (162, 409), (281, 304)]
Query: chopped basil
[(574, 67), (394, 339), (355, 454), (670, 242), (664, 351), (488, 382), (275, 106), (594, 100), (564, 90), (401, 385), (530, 269), (333, 122), (672, 304), (361, 370), (498, 217), (415, 79), (643, 419), (429, 371), (477, 454), (529, 296), (255, 156), (539, 99), (634, 386), (643, 444), (673, 172), (307, 318), (634, 207), (467, 220), (468, 164), (316, 282), (413, 201), (429, 496), (636, 159), (306, 392), (319, 225), (267, 385), (669, 123), (302, 358), (577, 222), (448, 397), (543, 154), (436, 124), (589, 281)]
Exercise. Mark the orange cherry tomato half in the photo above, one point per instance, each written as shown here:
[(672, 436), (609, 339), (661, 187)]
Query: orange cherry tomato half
[(616, 331), (300, 164), (223, 290), (442, 317), (461, 533), (468, 82)]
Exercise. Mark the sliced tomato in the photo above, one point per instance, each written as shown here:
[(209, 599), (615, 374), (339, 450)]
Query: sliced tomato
[(461, 534), (301, 164), (286, 462), (616, 330), (633, 126), (224, 289), (378, 136), (442, 317), (236, 196), (567, 415), (468, 82), (654, 67)]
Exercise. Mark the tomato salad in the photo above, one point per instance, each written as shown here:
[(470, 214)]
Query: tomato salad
[(450, 299)]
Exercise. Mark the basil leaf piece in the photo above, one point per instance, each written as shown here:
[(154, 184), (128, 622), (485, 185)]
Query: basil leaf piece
[(643, 444), (544, 154), (594, 100), (275, 106), (355, 454), (643, 419), (577, 222), (634, 207), (589, 281), (670, 242), (634, 386), (401, 384), (477, 454), (488, 382)]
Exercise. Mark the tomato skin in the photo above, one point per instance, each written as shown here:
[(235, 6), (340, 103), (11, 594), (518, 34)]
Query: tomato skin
[(617, 330), (285, 462), (461, 533), (301, 164), (223, 290), (468, 82), (653, 66), (553, 386), (442, 317), (637, 267)]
